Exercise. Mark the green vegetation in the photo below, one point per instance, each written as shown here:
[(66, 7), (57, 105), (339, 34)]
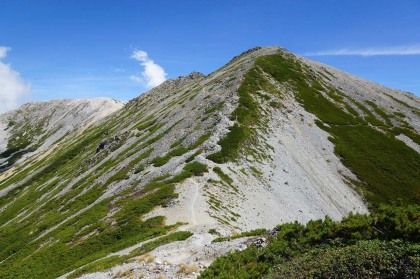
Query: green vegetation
[(195, 168), (70, 252), (147, 125), (200, 141), (160, 161), (178, 142), (176, 236), (189, 170), (192, 157), (384, 243), (247, 116), (213, 232), (387, 166), (256, 172), (223, 175), (365, 259), (380, 112)]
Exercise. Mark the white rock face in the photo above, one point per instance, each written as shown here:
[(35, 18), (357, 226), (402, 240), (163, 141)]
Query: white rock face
[(4, 135)]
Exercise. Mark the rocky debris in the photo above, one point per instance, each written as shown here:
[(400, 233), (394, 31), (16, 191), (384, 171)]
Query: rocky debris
[(101, 145), (196, 75), (110, 142), (178, 260), (246, 52), (260, 242), (274, 232), (153, 269)]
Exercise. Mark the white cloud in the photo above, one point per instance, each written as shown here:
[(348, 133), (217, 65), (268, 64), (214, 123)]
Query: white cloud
[(400, 50), (3, 51), (12, 88), (152, 74)]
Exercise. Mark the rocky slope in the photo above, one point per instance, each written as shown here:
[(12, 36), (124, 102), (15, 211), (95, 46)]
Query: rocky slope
[(35, 127), (269, 138)]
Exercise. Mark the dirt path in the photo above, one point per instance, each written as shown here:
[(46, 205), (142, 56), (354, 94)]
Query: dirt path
[(192, 206)]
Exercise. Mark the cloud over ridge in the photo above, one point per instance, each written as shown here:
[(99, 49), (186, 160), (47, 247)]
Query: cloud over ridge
[(152, 74), (399, 50), (12, 88)]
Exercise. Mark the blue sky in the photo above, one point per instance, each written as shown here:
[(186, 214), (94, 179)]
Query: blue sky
[(86, 48)]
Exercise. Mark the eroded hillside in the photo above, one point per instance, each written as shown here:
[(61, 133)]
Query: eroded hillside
[(268, 138), (35, 127)]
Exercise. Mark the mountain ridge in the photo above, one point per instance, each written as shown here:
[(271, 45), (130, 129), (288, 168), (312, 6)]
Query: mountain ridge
[(269, 132)]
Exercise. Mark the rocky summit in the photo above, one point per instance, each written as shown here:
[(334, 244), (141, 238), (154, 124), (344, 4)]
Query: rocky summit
[(153, 187)]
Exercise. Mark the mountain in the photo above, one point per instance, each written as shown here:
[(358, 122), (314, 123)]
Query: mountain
[(269, 138), (35, 127)]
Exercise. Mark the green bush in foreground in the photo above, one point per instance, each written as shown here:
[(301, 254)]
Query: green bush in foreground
[(324, 240), (365, 259)]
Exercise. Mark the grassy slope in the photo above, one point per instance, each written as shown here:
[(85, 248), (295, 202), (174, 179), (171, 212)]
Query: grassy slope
[(28, 246), (387, 167)]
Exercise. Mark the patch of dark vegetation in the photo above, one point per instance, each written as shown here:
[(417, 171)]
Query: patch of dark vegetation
[(399, 114), (195, 168), (189, 170), (365, 259), (387, 166), (223, 175)]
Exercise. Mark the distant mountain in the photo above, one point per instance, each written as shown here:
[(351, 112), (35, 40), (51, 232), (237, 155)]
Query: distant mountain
[(35, 127), (269, 138)]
